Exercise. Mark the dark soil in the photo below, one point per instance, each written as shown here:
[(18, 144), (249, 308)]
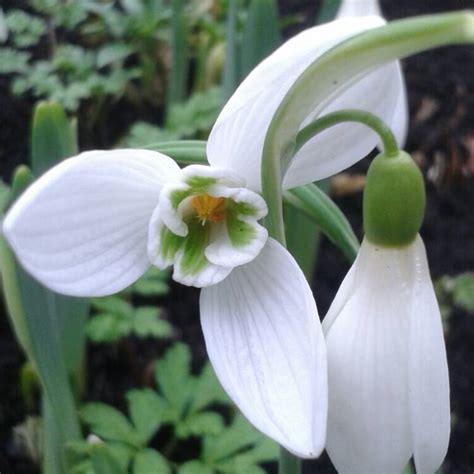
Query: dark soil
[(441, 138)]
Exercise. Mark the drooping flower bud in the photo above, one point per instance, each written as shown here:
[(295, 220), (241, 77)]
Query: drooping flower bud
[(394, 200)]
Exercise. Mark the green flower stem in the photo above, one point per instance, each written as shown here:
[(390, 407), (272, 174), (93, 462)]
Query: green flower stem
[(349, 115), (288, 464), (332, 73)]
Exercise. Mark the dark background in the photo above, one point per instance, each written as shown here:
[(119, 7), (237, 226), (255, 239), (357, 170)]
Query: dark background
[(441, 138)]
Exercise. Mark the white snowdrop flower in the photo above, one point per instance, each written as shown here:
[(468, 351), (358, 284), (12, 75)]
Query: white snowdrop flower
[(93, 224), (387, 368)]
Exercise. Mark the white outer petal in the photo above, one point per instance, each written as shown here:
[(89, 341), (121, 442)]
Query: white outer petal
[(81, 229), (369, 417), (265, 342), (381, 92), (358, 8), (342, 297), (236, 140), (428, 372)]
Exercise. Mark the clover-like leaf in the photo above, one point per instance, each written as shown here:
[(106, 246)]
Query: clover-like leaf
[(463, 291), (238, 439), (172, 374), (146, 409), (109, 424), (153, 283), (207, 390), (147, 323), (150, 461), (199, 424), (195, 467)]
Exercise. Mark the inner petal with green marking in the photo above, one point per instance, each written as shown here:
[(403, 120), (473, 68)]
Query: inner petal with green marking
[(205, 225)]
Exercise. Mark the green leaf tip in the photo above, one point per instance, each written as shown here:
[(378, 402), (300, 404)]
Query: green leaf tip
[(394, 200), (53, 137)]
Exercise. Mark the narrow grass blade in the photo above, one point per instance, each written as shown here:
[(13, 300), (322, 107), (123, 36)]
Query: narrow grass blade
[(261, 35), (317, 206), (327, 11), (231, 76), (303, 235), (179, 54), (49, 326)]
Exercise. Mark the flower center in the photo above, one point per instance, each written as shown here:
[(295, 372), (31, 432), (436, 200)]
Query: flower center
[(208, 208)]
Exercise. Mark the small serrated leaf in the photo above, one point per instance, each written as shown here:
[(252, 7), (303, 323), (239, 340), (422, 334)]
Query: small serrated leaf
[(463, 291), (108, 327), (12, 61), (195, 467), (238, 436), (197, 114), (111, 53), (112, 304), (103, 461), (146, 412), (146, 323), (153, 283), (150, 461), (200, 424), (207, 390), (122, 452), (172, 374), (108, 423)]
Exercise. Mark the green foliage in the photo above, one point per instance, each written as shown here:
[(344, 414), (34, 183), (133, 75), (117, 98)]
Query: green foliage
[(120, 49), (184, 402), (457, 291), (153, 283), (142, 134), (463, 291), (196, 115), (13, 61), (188, 119), (116, 319), (148, 461), (25, 30)]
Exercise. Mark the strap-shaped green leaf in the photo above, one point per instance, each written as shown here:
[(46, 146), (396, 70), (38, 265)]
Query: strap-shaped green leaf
[(261, 33), (319, 207), (52, 137), (179, 54), (50, 327), (231, 75)]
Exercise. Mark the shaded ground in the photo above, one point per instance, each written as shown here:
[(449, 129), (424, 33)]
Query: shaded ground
[(441, 137)]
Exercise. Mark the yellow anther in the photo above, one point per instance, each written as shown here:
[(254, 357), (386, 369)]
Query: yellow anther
[(208, 208)]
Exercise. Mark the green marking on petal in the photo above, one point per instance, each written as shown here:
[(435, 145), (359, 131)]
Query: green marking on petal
[(200, 182), (240, 233), (193, 259), (169, 243), (243, 209)]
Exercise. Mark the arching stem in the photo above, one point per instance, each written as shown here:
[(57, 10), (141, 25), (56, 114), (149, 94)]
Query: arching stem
[(350, 115)]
